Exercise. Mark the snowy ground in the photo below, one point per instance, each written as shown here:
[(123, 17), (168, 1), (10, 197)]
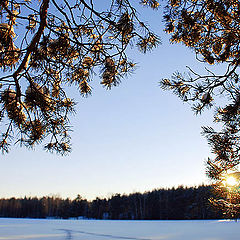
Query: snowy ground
[(12, 229)]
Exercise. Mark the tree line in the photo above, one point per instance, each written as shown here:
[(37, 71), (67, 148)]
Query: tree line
[(159, 204)]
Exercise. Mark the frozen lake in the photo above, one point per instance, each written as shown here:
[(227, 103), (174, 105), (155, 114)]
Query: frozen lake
[(11, 229)]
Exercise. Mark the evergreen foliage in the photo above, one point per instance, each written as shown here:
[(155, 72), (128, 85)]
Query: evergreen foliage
[(47, 46), (211, 29)]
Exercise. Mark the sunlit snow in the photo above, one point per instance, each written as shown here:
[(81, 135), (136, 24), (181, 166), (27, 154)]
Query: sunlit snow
[(12, 229)]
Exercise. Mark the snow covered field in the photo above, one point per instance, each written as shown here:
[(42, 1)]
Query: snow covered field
[(11, 229)]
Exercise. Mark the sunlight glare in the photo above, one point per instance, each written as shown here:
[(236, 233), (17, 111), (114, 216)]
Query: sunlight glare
[(231, 181)]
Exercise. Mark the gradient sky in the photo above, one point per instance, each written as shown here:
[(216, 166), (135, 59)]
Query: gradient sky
[(135, 137)]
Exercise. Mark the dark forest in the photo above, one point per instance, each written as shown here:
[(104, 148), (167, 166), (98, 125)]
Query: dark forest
[(159, 204)]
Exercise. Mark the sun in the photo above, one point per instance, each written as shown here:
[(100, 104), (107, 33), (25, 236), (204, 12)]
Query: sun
[(231, 181)]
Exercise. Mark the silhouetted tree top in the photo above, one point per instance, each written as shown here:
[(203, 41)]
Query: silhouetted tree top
[(47, 45)]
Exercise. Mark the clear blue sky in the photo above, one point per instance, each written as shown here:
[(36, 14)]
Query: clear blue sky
[(135, 137)]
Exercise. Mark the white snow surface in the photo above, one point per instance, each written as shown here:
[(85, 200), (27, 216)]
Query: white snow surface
[(39, 229)]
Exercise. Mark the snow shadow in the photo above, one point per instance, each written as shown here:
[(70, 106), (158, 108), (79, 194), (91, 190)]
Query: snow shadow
[(69, 234)]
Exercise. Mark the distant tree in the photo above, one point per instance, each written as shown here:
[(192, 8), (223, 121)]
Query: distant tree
[(211, 28), (78, 207), (47, 45), (96, 208)]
